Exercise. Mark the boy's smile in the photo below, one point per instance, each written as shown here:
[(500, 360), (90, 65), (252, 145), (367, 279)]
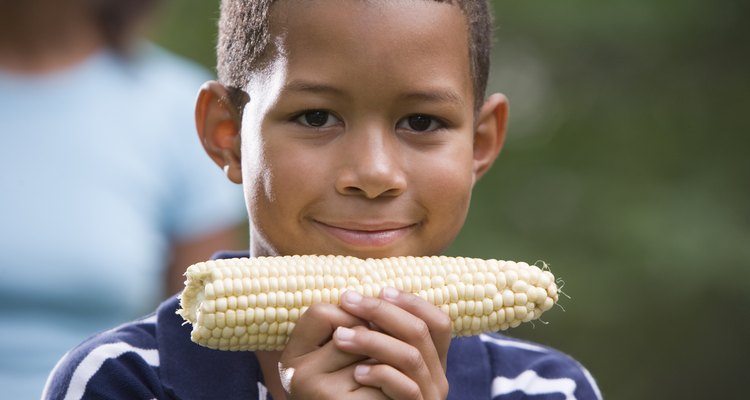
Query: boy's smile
[(360, 138), (363, 235)]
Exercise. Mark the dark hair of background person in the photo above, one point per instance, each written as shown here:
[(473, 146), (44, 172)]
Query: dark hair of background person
[(117, 19), (30, 24)]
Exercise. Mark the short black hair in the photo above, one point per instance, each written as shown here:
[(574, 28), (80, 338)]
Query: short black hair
[(244, 37)]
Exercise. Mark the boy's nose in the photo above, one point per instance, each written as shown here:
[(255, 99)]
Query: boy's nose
[(371, 167)]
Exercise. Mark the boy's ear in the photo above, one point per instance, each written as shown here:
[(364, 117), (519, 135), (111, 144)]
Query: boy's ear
[(489, 134), (218, 124)]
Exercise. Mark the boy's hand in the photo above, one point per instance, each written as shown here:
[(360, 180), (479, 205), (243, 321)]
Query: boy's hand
[(409, 344), (311, 367), (399, 353)]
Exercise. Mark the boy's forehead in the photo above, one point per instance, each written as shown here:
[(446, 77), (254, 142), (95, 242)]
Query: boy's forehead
[(352, 18), (349, 41), (372, 4), (399, 36), (375, 52)]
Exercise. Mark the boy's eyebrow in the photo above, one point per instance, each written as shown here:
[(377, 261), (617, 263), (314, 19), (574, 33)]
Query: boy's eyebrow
[(313, 87), (437, 95)]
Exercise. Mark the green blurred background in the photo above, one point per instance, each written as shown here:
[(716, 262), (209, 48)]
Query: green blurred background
[(625, 169)]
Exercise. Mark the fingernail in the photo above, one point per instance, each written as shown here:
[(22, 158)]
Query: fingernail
[(352, 297), (345, 334), (361, 370), (390, 293)]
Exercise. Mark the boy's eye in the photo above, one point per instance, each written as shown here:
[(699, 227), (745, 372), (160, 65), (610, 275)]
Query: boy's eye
[(419, 123), (317, 119)]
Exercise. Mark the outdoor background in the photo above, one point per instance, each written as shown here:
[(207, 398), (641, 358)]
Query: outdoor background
[(625, 169)]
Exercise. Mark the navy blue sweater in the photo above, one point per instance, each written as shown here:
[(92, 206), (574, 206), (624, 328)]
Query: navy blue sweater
[(153, 358)]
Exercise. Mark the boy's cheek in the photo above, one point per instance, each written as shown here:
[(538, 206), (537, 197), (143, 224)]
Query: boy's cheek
[(447, 176)]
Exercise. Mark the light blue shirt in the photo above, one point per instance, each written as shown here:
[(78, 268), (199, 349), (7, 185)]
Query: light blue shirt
[(100, 168)]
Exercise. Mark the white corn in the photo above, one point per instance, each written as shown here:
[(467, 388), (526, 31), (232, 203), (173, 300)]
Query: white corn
[(254, 303)]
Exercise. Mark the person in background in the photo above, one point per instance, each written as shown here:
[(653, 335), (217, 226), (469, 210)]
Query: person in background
[(107, 195)]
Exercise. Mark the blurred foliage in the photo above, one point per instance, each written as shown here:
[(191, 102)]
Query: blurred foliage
[(625, 169)]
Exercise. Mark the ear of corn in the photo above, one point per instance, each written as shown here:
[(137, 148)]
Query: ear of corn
[(254, 303)]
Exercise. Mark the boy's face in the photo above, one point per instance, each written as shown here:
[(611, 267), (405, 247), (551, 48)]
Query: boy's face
[(359, 136)]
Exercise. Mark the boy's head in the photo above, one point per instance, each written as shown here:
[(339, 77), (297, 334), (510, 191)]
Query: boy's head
[(244, 39), (360, 130)]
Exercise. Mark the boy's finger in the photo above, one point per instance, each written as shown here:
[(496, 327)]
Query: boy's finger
[(340, 383), (432, 341), (392, 382), (415, 374), (438, 323), (353, 390), (319, 369), (330, 358), (315, 327)]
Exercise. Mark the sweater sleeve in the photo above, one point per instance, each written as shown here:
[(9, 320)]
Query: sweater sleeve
[(122, 363), (522, 370)]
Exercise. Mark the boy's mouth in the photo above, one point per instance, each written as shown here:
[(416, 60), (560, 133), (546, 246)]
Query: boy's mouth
[(367, 234)]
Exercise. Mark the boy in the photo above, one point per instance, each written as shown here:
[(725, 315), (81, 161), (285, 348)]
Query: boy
[(357, 128)]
